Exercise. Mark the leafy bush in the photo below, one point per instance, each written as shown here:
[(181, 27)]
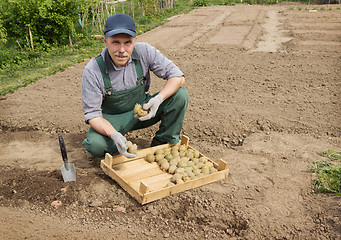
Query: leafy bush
[(3, 34), (49, 21), (200, 3)]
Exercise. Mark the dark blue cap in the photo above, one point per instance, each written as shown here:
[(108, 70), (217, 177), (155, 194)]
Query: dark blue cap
[(120, 23)]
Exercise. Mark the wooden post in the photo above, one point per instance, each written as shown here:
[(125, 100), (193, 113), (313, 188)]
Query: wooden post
[(70, 39), (31, 38), (19, 45), (132, 8), (28, 42)]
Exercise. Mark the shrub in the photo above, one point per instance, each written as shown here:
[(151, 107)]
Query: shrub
[(3, 34), (200, 3), (48, 20)]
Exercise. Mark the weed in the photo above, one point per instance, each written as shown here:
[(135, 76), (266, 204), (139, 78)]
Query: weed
[(328, 173), (331, 154)]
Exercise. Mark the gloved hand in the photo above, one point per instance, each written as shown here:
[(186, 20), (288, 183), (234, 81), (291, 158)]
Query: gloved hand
[(120, 142), (152, 106)]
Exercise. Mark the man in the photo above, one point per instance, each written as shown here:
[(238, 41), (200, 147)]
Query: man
[(119, 78)]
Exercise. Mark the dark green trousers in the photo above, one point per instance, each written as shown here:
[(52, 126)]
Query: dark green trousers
[(171, 113)]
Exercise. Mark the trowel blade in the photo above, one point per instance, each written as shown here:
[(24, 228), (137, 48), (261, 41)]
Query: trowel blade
[(68, 172)]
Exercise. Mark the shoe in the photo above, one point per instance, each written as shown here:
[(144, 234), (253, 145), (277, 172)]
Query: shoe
[(156, 142)]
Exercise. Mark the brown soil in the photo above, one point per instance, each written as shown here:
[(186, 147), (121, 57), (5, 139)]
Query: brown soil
[(264, 86)]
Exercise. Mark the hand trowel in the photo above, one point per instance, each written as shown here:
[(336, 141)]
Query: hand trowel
[(68, 169)]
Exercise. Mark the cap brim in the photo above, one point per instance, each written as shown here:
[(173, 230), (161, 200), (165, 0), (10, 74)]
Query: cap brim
[(117, 31)]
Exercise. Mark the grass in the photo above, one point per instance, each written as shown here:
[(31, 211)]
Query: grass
[(328, 173), (27, 70)]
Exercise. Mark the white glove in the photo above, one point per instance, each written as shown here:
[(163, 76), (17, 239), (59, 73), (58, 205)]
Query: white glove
[(152, 106), (120, 142)]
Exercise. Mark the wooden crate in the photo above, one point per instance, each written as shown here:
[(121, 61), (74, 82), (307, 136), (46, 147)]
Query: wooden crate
[(146, 182)]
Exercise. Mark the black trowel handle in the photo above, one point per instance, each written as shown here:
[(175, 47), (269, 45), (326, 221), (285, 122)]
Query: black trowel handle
[(62, 148)]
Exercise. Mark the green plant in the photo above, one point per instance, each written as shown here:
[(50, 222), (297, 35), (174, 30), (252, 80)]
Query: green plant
[(328, 173), (331, 154), (299, 8), (200, 3), (3, 34), (20, 68), (322, 8), (39, 20), (21, 65)]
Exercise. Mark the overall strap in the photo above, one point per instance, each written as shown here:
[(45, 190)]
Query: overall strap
[(138, 68), (105, 75)]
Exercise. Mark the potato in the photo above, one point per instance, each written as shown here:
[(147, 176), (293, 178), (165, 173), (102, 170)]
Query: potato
[(183, 147), (161, 161), (173, 162), (182, 153), (190, 164), (205, 170), (170, 184), (169, 156), (172, 169), (196, 154), (196, 171), (175, 147), (179, 181), (129, 144), (175, 177), (137, 108), (213, 170), (158, 157), (186, 178), (131, 148), (142, 113), (195, 160), (182, 164), (150, 157), (193, 177), (164, 166), (199, 175), (175, 153)]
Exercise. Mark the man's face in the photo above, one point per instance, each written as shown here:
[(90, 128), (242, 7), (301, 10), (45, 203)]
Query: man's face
[(120, 47)]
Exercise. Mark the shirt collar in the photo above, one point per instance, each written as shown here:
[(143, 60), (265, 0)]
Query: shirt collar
[(110, 66)]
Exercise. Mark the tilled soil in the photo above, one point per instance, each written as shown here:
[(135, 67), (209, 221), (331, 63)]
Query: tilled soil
[(264, 86)]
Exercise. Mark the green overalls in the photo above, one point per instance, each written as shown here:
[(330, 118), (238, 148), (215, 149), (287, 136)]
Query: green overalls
[(118, 109)]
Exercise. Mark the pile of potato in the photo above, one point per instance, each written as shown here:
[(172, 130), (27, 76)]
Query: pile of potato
[(185, 164)]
